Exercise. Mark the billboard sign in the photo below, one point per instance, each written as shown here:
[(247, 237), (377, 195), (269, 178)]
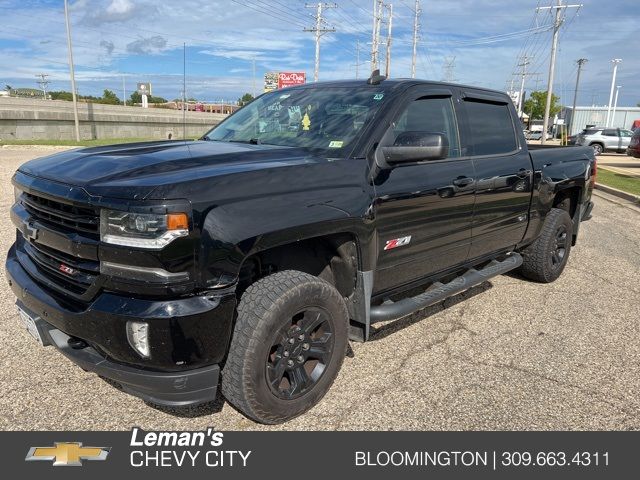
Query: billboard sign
[(144, 88), (270, 81), (289, 79)]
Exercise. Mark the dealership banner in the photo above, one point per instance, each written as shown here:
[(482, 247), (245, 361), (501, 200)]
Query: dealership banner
[(210, 454)]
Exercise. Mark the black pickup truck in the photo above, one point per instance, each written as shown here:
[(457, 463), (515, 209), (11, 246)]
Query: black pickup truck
[(255, 253)]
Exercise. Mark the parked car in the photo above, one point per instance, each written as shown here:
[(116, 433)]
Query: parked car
[(605, 139), (257, 252), (536, 135), (633, 149)]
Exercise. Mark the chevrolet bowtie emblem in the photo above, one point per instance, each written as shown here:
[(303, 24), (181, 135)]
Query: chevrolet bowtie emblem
[(68, 454)]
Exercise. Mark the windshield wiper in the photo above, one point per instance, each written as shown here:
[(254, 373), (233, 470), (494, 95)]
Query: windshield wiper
[(252, 141)]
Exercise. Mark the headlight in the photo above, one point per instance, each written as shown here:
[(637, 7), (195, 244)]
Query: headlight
[(142, 230), (16, 194)]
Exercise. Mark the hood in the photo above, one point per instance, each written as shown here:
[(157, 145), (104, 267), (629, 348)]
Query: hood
[(136, 170)]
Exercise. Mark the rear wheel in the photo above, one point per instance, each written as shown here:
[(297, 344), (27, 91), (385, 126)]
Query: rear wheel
[(288, 345), (545, 259)]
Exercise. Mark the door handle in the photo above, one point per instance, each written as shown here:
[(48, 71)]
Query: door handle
[(463, 181), (524, 173)]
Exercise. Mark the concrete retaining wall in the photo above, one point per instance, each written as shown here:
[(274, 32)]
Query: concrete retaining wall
[(28, 119)]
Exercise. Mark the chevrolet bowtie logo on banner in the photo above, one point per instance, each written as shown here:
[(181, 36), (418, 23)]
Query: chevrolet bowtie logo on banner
[(67, 454)]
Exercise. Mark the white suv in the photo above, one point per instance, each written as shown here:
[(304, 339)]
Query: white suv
[(603, 139)]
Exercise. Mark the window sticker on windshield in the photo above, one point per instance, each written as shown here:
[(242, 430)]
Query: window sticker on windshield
[(336, 144), (378, 96), (306, 122)]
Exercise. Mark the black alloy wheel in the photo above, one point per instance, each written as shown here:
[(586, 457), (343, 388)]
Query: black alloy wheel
[(300, 353)]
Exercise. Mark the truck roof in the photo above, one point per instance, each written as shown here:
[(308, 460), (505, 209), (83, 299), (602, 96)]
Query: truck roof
[(392, 84)]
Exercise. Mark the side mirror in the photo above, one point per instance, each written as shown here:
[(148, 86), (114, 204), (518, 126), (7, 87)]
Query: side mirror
[(411, 147)]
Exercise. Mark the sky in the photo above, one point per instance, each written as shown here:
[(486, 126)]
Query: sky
[(482, 40)]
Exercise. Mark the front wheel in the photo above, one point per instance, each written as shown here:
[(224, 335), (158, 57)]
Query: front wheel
[(546, 257), (597, 149), (288, 345)]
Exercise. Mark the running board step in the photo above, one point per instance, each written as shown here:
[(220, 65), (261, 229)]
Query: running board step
[(439, 291)]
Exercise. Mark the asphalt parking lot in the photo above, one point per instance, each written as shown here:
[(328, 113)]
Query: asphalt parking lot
[(513, 355)]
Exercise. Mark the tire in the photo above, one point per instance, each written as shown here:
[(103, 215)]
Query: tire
[(284, 318), (598, 149), (546, 257)]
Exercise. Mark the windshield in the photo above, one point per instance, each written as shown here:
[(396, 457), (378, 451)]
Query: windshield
[(315, 118)]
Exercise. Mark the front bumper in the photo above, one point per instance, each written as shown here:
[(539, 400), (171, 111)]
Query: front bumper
[(188, 336), (171, 389)]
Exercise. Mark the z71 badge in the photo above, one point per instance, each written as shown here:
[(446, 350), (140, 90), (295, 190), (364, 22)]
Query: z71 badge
[(397, 242)]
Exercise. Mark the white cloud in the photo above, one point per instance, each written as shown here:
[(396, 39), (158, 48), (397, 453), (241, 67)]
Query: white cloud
[(223, 38)]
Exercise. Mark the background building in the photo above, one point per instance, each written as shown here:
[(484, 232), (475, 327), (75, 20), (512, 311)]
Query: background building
[(597, 116)]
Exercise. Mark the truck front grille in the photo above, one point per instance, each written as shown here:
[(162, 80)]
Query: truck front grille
[(70, 217), (71, 275)]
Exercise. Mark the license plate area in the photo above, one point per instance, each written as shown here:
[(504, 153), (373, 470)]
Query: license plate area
[(30, 324)]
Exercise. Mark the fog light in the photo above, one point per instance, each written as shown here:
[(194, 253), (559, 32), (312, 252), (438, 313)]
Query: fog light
[(138, 336)]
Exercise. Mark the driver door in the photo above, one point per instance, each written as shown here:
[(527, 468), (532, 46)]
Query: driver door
[(424, 210)]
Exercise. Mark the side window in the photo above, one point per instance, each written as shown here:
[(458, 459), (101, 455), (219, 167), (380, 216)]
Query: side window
[(626, 133), (610, 132), (433, 115), (491, 128)]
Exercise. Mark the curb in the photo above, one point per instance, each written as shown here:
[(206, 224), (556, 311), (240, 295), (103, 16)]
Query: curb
[(618, 193)]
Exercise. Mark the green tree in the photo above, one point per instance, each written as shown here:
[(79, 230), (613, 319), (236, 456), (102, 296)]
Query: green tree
[(534, 106), (137, 98), (244, 99), (109, 98), (61, 95), (8, 87)]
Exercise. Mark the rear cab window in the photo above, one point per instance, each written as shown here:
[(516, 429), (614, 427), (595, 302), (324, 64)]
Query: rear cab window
[(491, 127)]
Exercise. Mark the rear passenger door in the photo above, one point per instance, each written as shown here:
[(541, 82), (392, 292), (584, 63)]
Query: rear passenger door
[(625, 138), (503, 171)]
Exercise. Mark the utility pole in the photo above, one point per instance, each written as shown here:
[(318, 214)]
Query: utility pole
[(320, 29), (357, 64), (73, 77), (184, 91), (375, 42), (124, 92), (448, 70), (557, 23), (416, 26), (253, 82), (357, 59), (389, 27), (525, 62), (616, 62), (43, 82), (581, 62)]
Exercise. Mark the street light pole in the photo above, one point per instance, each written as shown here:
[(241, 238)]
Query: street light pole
[(616, 62), (73, 77), (615, 105)]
